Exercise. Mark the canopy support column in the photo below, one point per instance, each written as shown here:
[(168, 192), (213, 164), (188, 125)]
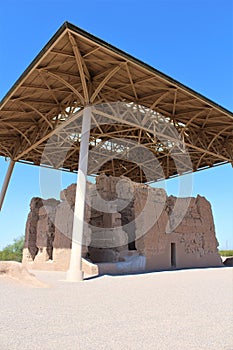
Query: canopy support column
[(75, 273), (6, 182)]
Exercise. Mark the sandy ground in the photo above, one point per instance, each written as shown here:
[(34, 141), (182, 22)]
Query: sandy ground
[(187, 309)]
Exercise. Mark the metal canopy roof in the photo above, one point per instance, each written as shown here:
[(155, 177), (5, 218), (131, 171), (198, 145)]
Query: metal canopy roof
[(40, 115)]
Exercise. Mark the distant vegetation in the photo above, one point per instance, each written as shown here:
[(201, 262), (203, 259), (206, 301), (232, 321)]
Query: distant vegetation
[(13, 251), (226, 252)]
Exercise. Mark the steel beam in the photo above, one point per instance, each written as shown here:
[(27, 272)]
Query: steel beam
[(6, 182)]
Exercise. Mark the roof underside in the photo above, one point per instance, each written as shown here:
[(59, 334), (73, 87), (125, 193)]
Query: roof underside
[(134, 105)]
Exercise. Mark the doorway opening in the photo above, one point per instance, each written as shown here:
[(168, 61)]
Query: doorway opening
[(173, 254)]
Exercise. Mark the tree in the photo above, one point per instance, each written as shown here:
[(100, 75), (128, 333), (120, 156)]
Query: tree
[(13, 251)]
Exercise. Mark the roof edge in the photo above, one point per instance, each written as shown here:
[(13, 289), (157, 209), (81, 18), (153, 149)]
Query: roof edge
[(53, 39), (144, 65), (69, 26)]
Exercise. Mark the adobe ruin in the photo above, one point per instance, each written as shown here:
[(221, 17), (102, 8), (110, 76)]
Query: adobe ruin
[(129, 227)]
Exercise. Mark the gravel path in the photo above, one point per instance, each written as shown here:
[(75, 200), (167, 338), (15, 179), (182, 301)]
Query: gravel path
[(188, 309)]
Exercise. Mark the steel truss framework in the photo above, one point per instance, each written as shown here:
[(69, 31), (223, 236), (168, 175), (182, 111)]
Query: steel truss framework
[(132, 104)]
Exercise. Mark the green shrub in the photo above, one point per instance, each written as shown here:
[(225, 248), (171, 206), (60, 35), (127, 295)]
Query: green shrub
[(13, 251), (226, 252)]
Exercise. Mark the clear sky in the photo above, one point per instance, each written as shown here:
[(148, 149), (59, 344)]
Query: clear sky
[(189, 40)]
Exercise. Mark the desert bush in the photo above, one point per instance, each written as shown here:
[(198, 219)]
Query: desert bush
[(13, 251)]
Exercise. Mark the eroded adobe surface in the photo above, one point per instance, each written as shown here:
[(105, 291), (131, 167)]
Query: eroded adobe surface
[(125, 222)]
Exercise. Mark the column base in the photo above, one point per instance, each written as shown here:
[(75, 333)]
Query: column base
[(74, 276)]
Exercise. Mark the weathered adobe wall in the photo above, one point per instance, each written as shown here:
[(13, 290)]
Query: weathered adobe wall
[(194, 237), (49, 230), (39, 233), (130, 216)]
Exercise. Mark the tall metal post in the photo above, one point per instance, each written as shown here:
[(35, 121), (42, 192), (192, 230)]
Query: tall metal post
[(75, 273), (6, 182)]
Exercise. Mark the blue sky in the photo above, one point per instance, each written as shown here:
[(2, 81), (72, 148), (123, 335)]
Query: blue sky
[(190, 40)]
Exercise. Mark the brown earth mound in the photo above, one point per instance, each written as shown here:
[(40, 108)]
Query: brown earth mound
[(19, 273)]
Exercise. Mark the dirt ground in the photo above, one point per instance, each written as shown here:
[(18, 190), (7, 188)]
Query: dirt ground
[(186, 309)]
